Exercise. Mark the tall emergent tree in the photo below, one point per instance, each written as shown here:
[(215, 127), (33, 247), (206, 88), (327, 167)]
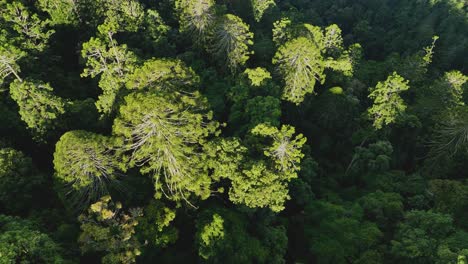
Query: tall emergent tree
[(196, 17), (230, 42), (388, 104), (304, 52), (285, 150), (265, 183), (163, 134), (302, 65), (85, 162)]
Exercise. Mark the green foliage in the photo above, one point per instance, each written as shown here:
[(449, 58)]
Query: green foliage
[(259, 187), (39, 108), (257, 76), (260, 6), (85, 162), (22, 242), (224, 157), (301, 66), (285, 150), (444, 94), (420, 236), (230, 42), (196, 17), (263, 185), (202, 121), (30, 32), (374, 158), (231, 239), (155, 25), (255, 100), (336, 234), (154, 225), (163, 75), (336, 90), (430, 51), (450, 197), (162, 136), (112, 61), (62, 12), (388, 105), (127, 14), (332, 38), (20, 182), (9, 55), (263, 109), (461, 259), (450, 137), (281, 31), (454, 81), (382, 208), (105, 227), (210, 234), (305, 52)]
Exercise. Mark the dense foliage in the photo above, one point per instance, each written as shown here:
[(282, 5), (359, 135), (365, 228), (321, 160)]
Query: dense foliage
[(234, 131)]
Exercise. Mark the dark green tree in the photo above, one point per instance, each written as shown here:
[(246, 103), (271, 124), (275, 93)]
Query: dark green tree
[(39, 108), (22, 242), (20, 182), (421, 237), (339, 234), (223, 235)]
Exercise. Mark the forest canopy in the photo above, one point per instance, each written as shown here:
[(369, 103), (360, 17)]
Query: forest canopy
[(234, 131)]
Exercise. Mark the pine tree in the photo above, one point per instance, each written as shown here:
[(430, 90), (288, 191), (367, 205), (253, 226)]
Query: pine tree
[(196, 17), (231, 41), (86, 163), (162, 136)]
